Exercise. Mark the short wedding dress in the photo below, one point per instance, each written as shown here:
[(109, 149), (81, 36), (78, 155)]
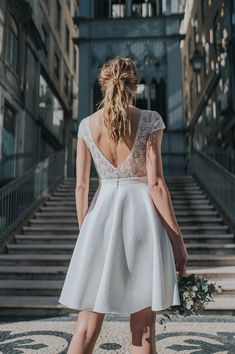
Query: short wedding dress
[(123, 259)]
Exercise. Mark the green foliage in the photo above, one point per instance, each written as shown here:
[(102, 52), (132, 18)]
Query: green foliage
[(195, 293)]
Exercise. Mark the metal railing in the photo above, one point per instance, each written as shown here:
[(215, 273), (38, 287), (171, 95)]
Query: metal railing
[(219, 182), (16, 165), (21, 195), (227, 160)]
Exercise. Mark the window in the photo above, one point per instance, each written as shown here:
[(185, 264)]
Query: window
[(74, 59), (101, 8), (57, 66), (218, 34), (196, 31), (58, 16), (118, 8), (146, 8), (66, 84), (190, 50), (12, 43), (142, 95), (198, 82), (8, 131), (185, 68), (45, 39), (67, 39), (207, 58), (191, 95), (50, 110)]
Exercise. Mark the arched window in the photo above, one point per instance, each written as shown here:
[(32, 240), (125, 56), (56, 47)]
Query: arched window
[(12, 43), (161, 99), (118, 8), (101, 8), (146, 8), (142, 95), (153, 94), (97, 95)]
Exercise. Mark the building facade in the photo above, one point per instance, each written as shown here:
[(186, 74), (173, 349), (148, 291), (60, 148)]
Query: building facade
[(38, 81), (209, 78), (148, 32)]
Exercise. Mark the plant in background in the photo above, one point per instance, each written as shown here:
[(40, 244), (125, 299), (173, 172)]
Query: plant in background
[(195, 293)]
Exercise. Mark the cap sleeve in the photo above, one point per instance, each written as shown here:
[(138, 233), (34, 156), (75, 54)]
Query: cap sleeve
[(157, 123), (80, 133)]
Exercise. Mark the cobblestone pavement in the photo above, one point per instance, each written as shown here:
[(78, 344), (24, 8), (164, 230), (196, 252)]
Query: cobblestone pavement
[(194, 334)]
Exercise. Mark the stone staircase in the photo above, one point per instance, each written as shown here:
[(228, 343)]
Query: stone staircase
[(33, 268)]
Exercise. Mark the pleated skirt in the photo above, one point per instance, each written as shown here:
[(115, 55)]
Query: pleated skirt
[(123, 260)]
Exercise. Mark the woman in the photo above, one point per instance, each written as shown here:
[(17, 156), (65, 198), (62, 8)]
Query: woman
[(130, 246)]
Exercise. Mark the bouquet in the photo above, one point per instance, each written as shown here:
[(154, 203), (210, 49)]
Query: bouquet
[(195, 292)]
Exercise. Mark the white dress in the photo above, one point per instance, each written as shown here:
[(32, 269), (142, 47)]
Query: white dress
[(123, 259)]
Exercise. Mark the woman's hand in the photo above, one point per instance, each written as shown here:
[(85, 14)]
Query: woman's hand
[(180, 255)]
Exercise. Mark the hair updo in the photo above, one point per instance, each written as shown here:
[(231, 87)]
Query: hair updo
[(118, 80)]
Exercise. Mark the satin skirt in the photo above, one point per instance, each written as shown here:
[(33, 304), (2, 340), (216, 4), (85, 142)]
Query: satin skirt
[(123, 260)]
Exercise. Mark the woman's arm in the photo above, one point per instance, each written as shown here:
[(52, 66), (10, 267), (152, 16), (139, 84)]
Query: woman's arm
[(83, 165), (161, 197)]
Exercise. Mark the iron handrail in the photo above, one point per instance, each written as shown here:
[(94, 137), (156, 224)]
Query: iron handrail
[(219, 182), (21, 195)]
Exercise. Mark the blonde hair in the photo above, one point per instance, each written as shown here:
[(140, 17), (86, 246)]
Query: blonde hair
[(118, 79)]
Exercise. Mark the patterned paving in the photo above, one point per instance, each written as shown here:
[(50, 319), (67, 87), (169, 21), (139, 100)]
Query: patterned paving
[(201, 335)]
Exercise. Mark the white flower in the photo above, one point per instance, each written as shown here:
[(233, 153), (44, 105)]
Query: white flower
[(193, 294), (194, 288), (188, 304), (205, 287)]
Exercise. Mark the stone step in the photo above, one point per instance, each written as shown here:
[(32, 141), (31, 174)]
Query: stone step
[(224, 287), (33, 273), (192, 248), (51, 229), (197, 219), (190, 201), (221, 306), (204, 229), (53, 222), (186, 196), (72, 213), (35, 259), (30, 287), (58, 239), (71, 220), (207, 249), (195, 213), (209, 238), (40, 249), (210, 260), (56, 214), (216, 272), (58, 273), (48, 239), (180, 189), (55, 209), (28, 305), (63, 259), (56, 203), (195, 207)]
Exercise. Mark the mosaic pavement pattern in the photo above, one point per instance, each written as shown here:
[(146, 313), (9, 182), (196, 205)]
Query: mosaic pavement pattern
[(199, 335)]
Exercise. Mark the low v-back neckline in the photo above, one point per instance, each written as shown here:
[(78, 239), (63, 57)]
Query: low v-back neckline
[(130, 152)]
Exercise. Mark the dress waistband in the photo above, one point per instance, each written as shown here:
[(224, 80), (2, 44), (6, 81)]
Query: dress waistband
[(124, 180)]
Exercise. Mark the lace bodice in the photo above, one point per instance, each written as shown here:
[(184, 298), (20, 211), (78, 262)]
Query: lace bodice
[(135, 163)]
